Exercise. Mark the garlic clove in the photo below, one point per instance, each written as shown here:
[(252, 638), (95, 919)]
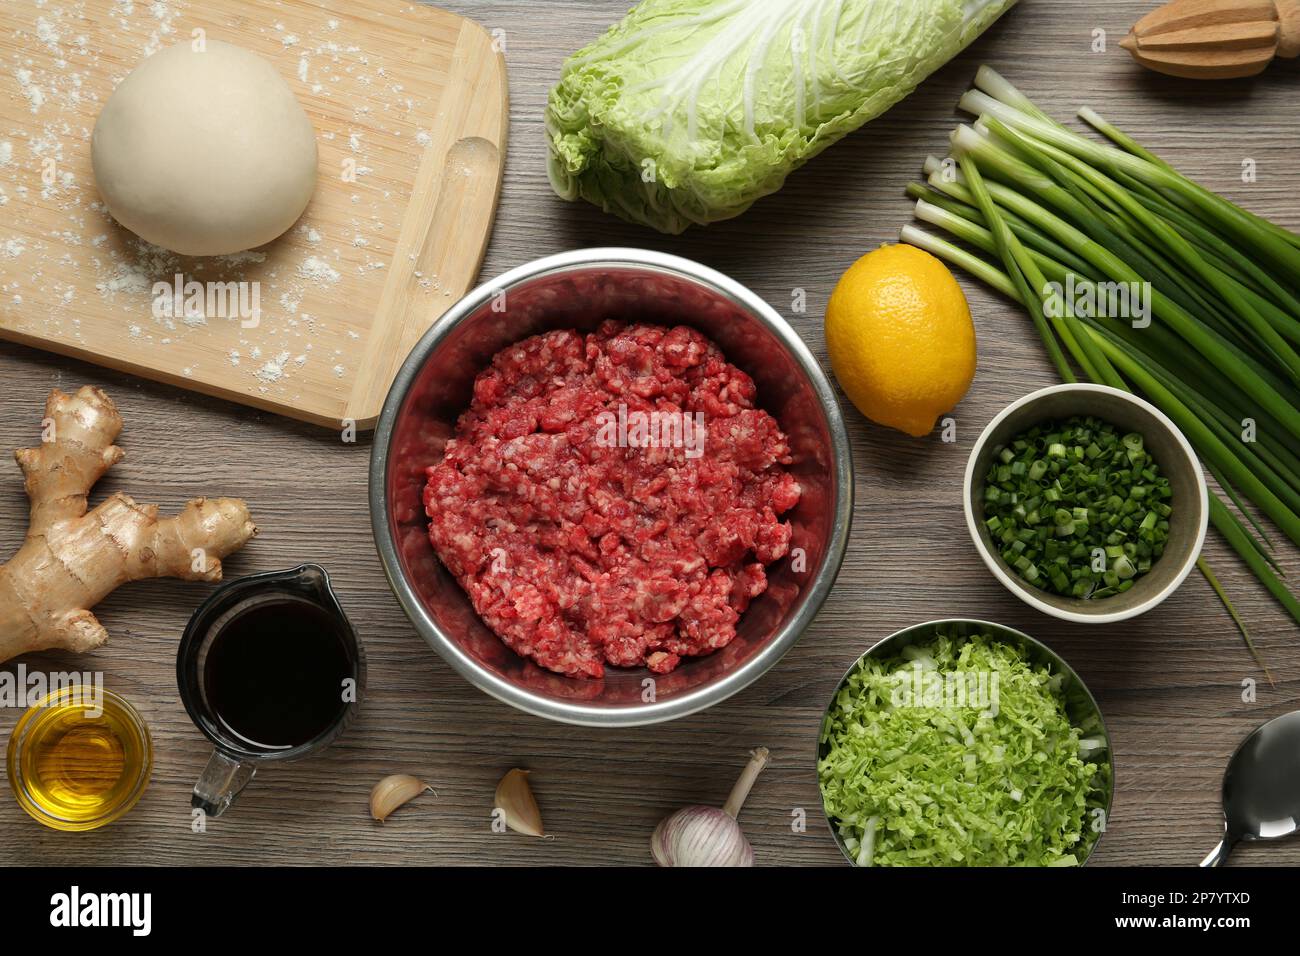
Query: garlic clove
[(395, 791), (514, 797)]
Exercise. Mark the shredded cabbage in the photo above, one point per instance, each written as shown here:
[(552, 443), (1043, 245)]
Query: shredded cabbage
[(919, 777), (689, 110)]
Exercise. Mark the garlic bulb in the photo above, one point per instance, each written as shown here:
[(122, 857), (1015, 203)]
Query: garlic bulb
[(700, 836), (393, 792), (707, 836)]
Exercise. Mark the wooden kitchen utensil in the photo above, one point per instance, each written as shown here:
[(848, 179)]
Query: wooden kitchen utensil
[(409, 107), (1216, 39)]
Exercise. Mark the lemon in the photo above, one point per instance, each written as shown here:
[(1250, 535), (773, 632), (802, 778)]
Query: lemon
[(900, 337)]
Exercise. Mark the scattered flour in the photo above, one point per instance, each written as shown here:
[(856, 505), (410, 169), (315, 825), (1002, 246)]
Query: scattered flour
[(273, 371), (136, 275), (236, 259), (46, 33), (35, 95), (318, 270)]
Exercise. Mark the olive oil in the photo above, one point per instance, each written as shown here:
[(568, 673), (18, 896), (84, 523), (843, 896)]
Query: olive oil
[(77, 762)]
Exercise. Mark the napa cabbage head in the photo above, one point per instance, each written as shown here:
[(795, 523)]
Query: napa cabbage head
[(689, 110)]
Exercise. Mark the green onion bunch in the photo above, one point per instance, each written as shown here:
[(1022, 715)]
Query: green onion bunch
[(1076, 508), (1041, 209)]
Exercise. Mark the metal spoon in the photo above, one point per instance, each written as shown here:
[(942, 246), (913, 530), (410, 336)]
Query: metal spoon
[(1261, 788)]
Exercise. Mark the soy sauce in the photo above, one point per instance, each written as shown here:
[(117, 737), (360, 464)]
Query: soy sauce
[(276, 673)]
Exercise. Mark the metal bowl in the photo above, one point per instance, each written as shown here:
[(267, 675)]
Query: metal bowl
[(578, 290), (1080, 705)]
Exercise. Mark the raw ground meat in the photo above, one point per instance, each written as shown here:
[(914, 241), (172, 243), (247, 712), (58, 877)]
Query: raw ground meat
[(579, 552)]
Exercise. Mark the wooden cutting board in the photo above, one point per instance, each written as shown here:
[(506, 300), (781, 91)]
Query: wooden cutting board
[(410, 108)]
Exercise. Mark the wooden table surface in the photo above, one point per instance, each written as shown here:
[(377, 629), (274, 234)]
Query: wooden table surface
[(1170, 684)]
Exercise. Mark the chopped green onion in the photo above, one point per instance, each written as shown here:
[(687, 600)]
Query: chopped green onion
[(1095, 489)]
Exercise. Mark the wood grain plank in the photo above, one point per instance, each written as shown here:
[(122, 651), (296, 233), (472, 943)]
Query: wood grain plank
[(1169, 683)]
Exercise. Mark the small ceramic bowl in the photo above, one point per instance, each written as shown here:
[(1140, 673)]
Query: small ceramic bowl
[(1171, 451)]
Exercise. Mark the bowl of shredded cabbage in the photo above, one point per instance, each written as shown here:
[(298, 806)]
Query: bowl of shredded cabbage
[(964, 743)]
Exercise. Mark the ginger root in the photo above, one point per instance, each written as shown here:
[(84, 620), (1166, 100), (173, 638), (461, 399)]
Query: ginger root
[(72, 558)]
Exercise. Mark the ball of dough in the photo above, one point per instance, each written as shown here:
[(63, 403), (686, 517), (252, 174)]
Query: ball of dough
[(204, 153)]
